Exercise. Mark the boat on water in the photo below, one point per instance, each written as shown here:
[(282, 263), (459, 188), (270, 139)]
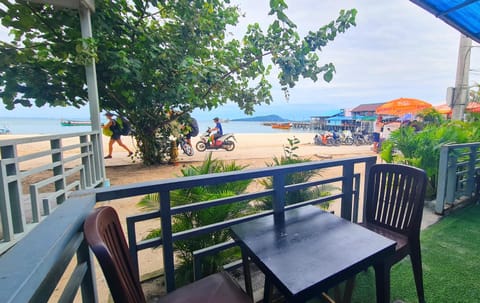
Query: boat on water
[(75, 123), (4, 131), (282, 125)]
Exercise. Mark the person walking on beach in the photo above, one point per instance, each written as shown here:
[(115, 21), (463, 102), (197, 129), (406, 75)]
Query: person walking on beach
[(115, 136), (217, 129), (377, 130)]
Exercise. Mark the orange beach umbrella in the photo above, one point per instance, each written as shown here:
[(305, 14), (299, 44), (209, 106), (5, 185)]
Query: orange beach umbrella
[(443, 109), (402, 106), (473, 107)]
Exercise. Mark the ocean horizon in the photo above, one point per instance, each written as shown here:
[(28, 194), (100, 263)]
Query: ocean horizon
[(46, 126)]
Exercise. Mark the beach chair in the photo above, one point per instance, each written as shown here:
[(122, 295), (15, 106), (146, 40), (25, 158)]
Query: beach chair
[(105, 237), (394, 207)]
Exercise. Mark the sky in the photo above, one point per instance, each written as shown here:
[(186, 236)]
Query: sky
[(396, 50)]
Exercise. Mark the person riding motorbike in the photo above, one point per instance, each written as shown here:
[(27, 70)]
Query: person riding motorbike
[(216, 132)]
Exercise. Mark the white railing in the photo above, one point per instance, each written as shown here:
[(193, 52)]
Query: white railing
[(457, 174), (38, 173)]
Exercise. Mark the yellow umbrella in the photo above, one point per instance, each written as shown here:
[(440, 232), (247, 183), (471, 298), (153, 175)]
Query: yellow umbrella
[(402, 106)]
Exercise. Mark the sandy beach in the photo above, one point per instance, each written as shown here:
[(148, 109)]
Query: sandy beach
[(253, 150)]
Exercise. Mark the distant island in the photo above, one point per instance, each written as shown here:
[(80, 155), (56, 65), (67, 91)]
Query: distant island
[(269, 118)]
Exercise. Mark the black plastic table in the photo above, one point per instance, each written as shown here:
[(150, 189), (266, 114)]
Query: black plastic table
[(306, 251)]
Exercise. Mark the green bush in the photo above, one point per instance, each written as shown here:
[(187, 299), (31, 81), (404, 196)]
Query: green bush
[(290, 157), (422, 149), (184, 248)]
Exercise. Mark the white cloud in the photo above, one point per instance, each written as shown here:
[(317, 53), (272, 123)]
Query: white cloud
[(397, 49)]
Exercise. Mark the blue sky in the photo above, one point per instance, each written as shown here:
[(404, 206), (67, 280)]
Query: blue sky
[(396, 50)]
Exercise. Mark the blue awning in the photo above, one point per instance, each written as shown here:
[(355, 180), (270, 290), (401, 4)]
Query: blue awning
[(464, 15), (340, 118)]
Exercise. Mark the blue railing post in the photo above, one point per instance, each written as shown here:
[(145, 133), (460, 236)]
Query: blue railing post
[(471, 171), (166, 223), (279, 194), (356, 198), (347, 190)]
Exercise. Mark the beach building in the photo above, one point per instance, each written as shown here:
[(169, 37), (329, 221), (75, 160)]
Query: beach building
[(339, 123), (365, 110), (365, 115), (320, 122)]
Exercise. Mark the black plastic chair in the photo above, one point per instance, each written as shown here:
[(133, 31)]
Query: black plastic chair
[(394, 207), (105, 237)]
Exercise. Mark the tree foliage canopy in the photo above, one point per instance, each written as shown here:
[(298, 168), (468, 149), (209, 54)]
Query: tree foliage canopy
[(156, 56)]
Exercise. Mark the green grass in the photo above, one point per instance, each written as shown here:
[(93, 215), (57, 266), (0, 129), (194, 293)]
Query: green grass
[(451, 263)]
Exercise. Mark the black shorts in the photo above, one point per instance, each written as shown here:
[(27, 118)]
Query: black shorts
[(376, 137), (116, 136)]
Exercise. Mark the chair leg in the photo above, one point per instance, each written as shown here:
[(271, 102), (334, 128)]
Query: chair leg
[(346, 295), (349, 285), (267, 291), (416, 259)]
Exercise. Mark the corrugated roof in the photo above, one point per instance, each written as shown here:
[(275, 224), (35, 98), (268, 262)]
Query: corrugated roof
[(366, 107), (328, 113), (464, 15)]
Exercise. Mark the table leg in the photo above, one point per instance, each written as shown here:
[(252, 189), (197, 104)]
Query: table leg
[(246, 274), (267, 291), (382, 282)]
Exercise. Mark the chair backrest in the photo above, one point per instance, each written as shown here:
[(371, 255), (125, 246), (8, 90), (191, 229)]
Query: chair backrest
[(105, 237), (395, 197)]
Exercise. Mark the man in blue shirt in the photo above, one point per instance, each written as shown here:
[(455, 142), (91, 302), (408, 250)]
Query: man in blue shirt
[(218, 131)]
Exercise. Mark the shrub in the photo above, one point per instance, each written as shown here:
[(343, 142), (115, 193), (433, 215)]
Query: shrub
[(184, 248), (290, 157)]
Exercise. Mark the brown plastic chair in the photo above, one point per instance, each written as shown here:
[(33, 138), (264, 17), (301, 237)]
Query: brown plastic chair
[(105, 237), (394, 207)]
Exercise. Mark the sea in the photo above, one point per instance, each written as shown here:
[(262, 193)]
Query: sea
[(45, 126)]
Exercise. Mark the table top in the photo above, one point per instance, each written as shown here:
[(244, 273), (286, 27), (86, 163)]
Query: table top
[(310, 250)]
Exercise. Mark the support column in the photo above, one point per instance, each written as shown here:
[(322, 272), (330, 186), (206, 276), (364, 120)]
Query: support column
[(460, 97), (93, 100)]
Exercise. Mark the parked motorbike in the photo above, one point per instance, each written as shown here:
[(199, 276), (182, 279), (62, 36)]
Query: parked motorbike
[(224, 142), (345, 137), (326, 138), (166, 144), (187, 148), (362, 138)]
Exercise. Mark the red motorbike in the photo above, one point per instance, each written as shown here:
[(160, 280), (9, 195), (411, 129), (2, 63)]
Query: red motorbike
[(224, 142), (326, 138)]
